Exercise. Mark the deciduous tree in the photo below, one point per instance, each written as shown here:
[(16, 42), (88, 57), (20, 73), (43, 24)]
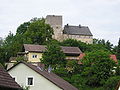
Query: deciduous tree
[(53, 56), (97, 67)]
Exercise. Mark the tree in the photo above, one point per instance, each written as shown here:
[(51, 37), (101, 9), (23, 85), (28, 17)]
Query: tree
[(23, 28), (39, 32), (9, 47), (97, 67), (111, 83), (118, 50), (2, 56), (74, 43), (106, 44), (1, 41), (53, 56), (35, 31), (73, 67)]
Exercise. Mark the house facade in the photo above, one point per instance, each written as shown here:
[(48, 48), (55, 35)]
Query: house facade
[(34, 52), (81, 33), (38, 79)]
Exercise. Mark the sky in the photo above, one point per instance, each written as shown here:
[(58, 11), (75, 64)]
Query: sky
[(101, 16)]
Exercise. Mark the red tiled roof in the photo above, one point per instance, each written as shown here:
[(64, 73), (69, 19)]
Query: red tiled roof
[(7, 81), (113, 57), (50, 76), (41, 48), (81, 55)]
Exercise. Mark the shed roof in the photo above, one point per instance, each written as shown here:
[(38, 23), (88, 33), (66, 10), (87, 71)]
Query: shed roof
[(77, 30), (50, 76)]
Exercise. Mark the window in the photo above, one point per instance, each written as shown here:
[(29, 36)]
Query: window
[(30, 81), (34, 56)]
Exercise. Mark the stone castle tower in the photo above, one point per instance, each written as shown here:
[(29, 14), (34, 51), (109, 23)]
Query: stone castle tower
[(56, 23), (81, 33)]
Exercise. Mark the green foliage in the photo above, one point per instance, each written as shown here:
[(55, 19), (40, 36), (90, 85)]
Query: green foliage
[(2, 56), (117, 70), (1, 41), (75, 43), (62, 72), (97, 45), (78, 81), (73, 67), (1, 65), (26, 88), (53, 56), (35, 31), (23, 28), (97, 67), (21, 58), (39, 32), (105, 45), (118, 50), (111, 83)]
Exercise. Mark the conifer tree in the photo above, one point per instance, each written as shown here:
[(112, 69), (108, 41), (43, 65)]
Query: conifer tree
[(118, 50)]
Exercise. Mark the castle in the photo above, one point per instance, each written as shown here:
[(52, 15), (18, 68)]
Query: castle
[(79, 32)]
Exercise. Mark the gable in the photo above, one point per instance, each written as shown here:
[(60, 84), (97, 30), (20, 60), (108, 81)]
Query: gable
[(22, 71), (53, 79)]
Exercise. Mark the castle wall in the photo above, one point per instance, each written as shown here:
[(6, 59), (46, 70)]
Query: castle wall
[(56, 24), (82, 38)]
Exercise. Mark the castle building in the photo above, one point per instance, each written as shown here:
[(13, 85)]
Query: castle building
[(56, 24), (79, 32)]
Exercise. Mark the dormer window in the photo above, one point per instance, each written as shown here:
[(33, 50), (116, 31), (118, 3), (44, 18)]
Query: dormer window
[(34, 56)]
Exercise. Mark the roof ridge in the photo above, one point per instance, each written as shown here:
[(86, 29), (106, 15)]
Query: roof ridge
[(50, 76)]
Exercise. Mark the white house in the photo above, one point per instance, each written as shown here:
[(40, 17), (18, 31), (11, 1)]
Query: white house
[(38, 79)]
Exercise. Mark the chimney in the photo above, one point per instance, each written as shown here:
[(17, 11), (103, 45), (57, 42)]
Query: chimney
[(79, 26), (67, 25)]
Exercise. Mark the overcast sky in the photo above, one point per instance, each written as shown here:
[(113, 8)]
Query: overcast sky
[(101, 16)]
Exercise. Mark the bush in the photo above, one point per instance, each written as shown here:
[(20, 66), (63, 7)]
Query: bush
[(111, 83)]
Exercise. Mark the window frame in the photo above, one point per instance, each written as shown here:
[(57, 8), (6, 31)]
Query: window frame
[(34, 56), (27, 80)]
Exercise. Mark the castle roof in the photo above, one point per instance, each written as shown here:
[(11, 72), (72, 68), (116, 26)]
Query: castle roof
[(77, 30)]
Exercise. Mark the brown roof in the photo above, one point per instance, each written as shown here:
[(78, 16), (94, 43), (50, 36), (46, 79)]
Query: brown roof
[(41, 48), (50, 76), (34, 48), (7, 81), (71, 50)]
